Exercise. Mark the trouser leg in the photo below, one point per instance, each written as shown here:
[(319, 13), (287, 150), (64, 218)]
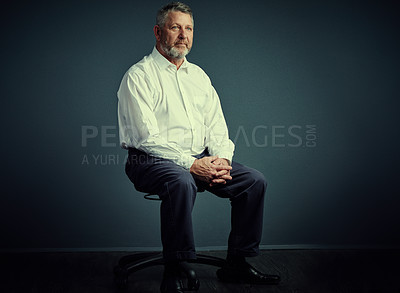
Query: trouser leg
[(246, 192), (178, 198), (177, 190)]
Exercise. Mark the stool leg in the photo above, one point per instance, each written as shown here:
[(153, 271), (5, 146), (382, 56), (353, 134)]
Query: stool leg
[(129, 264)]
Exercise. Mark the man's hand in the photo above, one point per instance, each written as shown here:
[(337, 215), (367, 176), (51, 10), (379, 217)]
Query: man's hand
[(212, 170), (222, 175)]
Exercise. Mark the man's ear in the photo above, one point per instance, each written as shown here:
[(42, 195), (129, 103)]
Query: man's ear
[(157, 32)]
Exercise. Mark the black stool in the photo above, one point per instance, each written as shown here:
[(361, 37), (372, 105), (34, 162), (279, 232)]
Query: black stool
[(134, 262)]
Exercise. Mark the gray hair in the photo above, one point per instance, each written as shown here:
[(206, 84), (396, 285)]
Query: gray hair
[(162, 14)]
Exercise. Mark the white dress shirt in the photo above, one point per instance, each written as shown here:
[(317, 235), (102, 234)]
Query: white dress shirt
[(169, 113)]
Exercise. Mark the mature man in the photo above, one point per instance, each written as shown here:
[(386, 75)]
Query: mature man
[(171, 122)]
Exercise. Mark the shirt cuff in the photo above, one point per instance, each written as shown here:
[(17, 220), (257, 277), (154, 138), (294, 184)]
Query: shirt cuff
[(187, 161)]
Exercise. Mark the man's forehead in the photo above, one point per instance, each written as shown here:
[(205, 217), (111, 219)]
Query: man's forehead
[(179, 17)]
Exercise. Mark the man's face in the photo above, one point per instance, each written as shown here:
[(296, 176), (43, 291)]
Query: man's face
[(176, 37)]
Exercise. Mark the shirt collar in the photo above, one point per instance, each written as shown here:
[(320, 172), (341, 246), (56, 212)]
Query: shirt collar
[(164, 63)]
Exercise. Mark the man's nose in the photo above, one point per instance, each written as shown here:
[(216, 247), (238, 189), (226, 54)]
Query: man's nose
[(182, 34)]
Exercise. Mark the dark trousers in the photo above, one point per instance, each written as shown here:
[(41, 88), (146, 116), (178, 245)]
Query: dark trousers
[(177, 189)]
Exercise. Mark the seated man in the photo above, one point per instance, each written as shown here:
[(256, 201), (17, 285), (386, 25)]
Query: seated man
[(171, 121)]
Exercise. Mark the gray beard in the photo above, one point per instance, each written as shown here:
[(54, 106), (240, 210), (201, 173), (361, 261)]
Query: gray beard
[(174, 53)]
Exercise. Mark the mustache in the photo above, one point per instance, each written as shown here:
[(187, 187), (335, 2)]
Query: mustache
[(181, 43)]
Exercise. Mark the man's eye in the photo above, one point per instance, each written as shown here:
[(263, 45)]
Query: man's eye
[(189, 28), (174, 27)]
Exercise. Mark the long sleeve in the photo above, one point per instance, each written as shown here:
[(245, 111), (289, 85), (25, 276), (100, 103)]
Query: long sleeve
[(138, 124), (217, 138)]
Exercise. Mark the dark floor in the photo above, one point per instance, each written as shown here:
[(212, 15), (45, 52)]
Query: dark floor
[(302, 271)]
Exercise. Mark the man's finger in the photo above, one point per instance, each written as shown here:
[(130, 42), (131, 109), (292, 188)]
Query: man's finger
[(225, 177), (217, 181), (221, 167), (220, 173)]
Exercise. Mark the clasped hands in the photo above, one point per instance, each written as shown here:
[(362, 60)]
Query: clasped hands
[(212, 170)]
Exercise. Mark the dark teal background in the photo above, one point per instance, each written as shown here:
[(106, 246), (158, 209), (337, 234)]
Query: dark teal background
[(281, 68)]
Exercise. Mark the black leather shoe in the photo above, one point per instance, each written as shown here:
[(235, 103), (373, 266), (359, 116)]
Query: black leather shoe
[(171, 284), (245, 273), (193, 283)]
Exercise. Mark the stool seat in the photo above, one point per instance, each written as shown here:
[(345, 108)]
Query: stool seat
[(151, 196)]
